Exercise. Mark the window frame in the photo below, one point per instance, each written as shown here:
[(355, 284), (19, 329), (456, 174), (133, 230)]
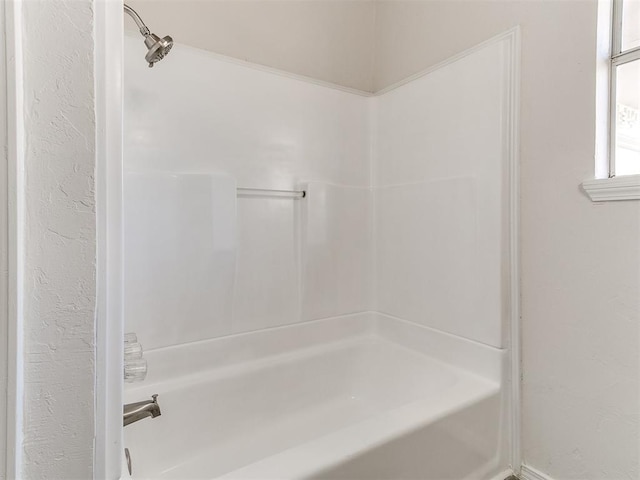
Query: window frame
[(605, 186), (618, 57)]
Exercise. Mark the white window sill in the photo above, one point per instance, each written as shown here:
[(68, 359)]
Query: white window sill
[(626, 187)]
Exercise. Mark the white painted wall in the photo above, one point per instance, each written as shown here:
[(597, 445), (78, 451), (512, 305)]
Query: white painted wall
[(59, 284), (327, 40), (580, 261)]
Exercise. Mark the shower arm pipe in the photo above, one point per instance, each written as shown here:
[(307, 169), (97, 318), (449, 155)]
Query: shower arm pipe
[(144, 30)]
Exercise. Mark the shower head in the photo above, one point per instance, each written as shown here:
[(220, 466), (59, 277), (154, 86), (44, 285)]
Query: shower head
[(158, 47)]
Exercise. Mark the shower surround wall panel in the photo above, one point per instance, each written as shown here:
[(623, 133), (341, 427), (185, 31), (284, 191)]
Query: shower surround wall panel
[(441, 197), (201, 114), (180, 255), (406, 213), (267, 277), (337, 265)]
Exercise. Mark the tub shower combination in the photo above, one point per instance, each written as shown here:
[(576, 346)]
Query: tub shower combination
[(320, 278)]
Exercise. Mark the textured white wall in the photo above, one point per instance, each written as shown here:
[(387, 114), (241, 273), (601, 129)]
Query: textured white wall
[(580, 261), (59, 283)]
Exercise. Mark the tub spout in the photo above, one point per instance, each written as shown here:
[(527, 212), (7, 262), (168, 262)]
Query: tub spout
[(133, 412)]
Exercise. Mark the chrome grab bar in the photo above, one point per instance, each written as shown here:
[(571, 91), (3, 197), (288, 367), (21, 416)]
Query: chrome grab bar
[(263, 192)]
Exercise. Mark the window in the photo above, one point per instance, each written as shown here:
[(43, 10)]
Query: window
[(624, 115)]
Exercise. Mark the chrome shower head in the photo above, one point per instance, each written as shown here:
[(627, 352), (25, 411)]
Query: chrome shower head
[(158, 47)]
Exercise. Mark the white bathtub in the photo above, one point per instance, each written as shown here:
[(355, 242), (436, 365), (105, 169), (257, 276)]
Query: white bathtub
[(358, 397)]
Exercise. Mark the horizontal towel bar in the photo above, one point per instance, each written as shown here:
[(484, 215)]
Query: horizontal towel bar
[(262, 192)]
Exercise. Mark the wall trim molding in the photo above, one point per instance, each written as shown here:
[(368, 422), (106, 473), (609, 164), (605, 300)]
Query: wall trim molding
[(510, 34), (626, 187), (513, 154), (4, 246), (12, 19), (529, 473), (109, 317)]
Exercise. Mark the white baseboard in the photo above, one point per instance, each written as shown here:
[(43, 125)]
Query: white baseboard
[(528, 473)]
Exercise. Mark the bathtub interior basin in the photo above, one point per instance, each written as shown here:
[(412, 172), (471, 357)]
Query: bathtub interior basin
[(364, 396)]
